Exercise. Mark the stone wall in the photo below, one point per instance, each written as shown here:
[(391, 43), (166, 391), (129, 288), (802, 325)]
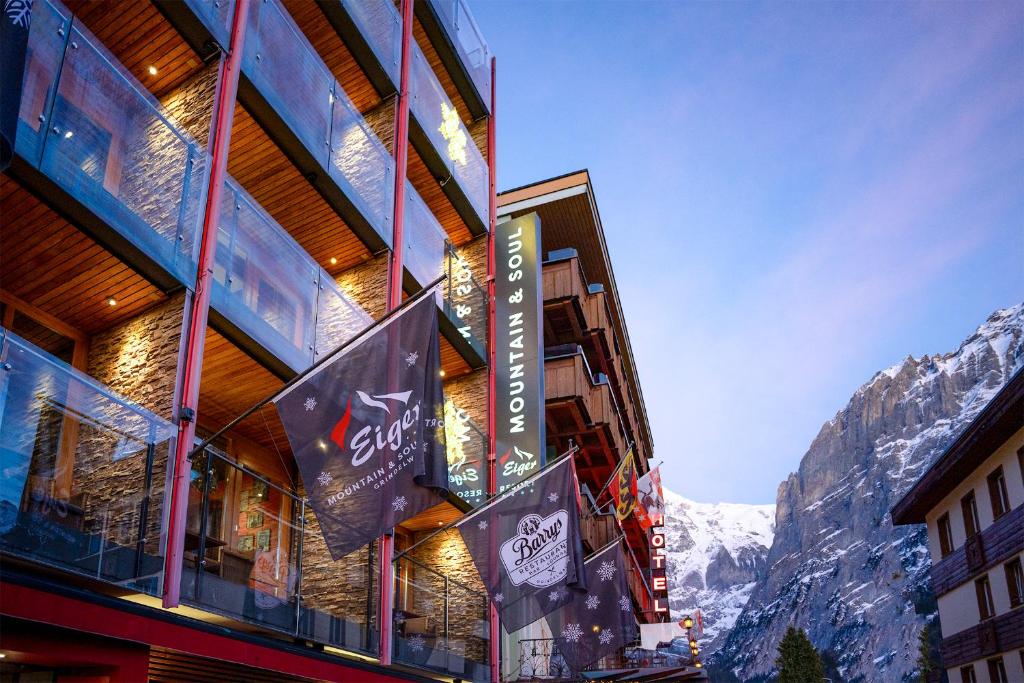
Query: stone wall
[(382, 120), (367, 285), (191, 104)]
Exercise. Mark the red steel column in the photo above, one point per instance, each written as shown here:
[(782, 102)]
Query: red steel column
[(492, 436), (395, 268), (224, 110)]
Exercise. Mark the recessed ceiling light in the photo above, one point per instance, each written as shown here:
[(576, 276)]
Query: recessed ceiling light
[(442, 373), (152, 71), (333, 260), (111, 301), (440, 523)]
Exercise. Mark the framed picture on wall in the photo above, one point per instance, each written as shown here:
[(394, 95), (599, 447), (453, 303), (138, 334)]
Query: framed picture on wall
[(259, 490), (245, 543), (263, 540), (243, 501), (254, 520)]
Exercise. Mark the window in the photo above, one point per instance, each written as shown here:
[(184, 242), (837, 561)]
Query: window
[(996, 670), (997, 492), (986, 610), (970, 509), (1015, 582), (967, 674), (945, 535)]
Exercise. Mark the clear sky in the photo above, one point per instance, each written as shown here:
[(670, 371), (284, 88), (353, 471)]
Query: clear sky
[(795, 196)]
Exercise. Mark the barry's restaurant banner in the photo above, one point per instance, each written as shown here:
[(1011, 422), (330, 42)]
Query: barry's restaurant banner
[(367, 430), (526, 544)]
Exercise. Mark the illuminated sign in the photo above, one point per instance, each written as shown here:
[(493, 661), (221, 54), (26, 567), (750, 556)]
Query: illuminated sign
[(659, 583)]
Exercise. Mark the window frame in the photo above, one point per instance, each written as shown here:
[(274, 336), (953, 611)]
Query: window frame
[(997, 493), (996, 670), (1015, 582), (983, 592), (945, 529), (967, 674), (969, 508)]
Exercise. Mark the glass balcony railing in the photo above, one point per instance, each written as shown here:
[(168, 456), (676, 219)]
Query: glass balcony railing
[(84, 472), (93, 130), (441, 624), (467, 455), (426, 242), (289, 74), (269, 287), (465, 301), (440, 121), (216, 17), (381, 26), (465, 35), (253, 553)]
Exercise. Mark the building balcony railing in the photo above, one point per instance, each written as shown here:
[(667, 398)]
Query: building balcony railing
[(454, 154), (467, 456), (271, 290), (85, 472), (463, 35), (254, 553), (429, 254), (380, 26), (440, 623), (295, 85), (568, 380), (128, 172)]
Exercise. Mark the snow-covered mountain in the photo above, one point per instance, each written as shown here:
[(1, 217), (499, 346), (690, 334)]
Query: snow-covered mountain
[(716, 553), (837, 567)]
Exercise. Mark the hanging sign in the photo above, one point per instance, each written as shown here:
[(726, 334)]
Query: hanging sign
[(519, 349), (659, 580)]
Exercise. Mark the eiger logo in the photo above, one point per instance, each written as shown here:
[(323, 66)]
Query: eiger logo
[(539, 553), (370, 439)]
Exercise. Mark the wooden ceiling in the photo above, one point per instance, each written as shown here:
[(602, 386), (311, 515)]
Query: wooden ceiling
[(264, 171), (433, 518), (50, 264), (139, 38), (437, 201)]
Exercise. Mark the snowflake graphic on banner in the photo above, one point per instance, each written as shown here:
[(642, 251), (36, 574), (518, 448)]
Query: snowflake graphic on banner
[(607, 570), (325, 478), (309, 404), (624, 603), (499, 598), (399, 504), (555, 595), (417, 643), (553, 497), (572, 633), (482, 524), (606, 636), (411, 359), (593, 601)]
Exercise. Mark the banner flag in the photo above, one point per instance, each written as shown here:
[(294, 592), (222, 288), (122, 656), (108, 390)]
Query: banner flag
[(600, 621), (527, 546), (14, 27), (623, 486), (650, 499), (367, 430)]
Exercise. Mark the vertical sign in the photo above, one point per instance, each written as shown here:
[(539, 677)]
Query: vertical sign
[(519, 350), (659, 580)]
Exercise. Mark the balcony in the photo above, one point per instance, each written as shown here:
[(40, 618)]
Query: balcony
[(95, 142), (446, 146), (467, 456), (372, 30), (462, 48), (441, 623), (85, 473)]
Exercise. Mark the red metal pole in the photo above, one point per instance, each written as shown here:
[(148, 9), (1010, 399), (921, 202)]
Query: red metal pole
[(224, 110), (395, 268), (492, 479)]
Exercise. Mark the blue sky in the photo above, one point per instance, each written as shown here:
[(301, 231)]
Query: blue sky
[(795, 196)]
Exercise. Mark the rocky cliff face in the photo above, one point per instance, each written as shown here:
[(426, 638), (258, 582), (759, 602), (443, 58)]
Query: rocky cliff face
[(837, 567), (717, 553)]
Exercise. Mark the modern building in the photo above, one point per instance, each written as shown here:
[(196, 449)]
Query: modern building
[(207, 197), (972, 499)]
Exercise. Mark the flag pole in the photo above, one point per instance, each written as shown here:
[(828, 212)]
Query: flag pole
[(550, 466), (323, 361)]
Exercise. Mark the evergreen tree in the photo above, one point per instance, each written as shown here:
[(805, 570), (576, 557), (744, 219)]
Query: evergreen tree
[(798, 661), (928, 662)]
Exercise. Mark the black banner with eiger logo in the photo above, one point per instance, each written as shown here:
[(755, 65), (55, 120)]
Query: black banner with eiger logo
[(367, 430), (519, 349)]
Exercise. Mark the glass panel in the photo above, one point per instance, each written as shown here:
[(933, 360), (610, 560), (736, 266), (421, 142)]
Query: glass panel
[(47, 37), (425, 240), (381, 25), (440, 120), (469, 42), (467, 455), (338, 318), (216, 17), (466, 301), (339, 599), (361, 165), (110, 146), (440, 624), (286, 69), (85, 472), (241, 544), (266, 284)]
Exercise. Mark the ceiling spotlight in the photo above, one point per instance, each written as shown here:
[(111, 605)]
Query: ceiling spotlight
[(440, 523), (441, 373), (595, 629), (152, 71), (334, 261), (111, 301)]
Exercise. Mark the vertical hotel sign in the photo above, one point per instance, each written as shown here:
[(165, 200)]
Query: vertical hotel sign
[(519, 350)]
